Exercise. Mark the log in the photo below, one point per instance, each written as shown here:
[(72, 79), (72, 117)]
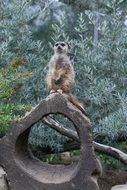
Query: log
[(26, 172), (3, 182)]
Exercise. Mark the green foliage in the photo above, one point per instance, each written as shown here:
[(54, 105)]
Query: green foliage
[(109, 162), (10, 79), (56, 158), (8, 112), (41, 134), (10, 83), (16, 52), (107, 5)]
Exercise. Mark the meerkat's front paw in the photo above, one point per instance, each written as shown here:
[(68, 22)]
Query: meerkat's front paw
[(60, 91), (52, 91)]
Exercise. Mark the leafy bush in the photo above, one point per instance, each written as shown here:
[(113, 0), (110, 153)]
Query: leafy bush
[(8, 112), (16, 53)]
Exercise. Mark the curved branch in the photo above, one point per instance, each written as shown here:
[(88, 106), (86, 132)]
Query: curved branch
[(114, 152)]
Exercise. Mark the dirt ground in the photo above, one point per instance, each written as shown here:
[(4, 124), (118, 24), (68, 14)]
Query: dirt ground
[(111, 178)]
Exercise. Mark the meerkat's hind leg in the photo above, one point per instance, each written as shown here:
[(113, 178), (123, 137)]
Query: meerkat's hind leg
[(60, 91), (52, 91)]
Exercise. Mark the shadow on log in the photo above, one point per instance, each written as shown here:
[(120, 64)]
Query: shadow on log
[(26, 172)]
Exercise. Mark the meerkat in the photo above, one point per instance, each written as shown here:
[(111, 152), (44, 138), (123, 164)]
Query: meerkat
[(60, 76)]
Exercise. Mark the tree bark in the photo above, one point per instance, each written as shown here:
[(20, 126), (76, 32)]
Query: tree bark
[(114, 152)]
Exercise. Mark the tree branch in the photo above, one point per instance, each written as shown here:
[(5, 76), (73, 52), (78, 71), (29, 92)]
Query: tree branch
[(114, 152)]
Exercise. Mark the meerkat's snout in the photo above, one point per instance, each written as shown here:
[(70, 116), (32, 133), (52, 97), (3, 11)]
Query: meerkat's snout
[(59, 47)]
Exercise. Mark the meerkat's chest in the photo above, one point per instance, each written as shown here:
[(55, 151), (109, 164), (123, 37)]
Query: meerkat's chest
[(62, 62)]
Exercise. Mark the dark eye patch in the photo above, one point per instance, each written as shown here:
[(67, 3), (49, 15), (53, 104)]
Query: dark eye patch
[(56, 44), (62, 44)]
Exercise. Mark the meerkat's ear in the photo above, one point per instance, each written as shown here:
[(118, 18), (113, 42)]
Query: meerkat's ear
[(68, 45)]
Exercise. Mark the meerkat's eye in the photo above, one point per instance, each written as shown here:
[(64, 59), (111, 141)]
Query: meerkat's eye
[(56, 44), (62, 44)]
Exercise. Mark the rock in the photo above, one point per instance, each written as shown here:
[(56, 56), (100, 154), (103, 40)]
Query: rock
[(3, 183), (120, 187)]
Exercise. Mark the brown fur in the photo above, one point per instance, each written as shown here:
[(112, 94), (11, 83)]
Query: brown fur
[(61, 74), (76, 103)]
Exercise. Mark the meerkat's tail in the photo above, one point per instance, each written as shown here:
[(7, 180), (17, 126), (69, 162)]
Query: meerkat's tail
[(76, 103)]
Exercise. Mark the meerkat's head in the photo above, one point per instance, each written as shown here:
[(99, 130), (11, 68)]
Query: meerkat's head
[(61, 47)]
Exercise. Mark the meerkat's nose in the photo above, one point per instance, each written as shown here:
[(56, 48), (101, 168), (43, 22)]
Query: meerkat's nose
[(59, 47)]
